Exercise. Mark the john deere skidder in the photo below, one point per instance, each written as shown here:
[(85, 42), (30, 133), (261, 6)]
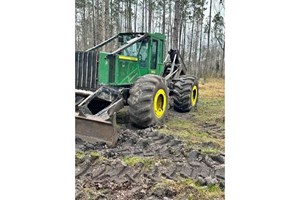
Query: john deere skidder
[(135, 75)]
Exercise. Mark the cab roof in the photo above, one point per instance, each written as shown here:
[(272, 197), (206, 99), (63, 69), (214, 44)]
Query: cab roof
[(155, 35)]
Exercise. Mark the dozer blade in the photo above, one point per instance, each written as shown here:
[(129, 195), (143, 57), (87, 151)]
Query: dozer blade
[(94, 129)]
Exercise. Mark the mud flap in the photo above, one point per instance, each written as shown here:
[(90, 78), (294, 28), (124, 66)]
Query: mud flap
[(93, 129)]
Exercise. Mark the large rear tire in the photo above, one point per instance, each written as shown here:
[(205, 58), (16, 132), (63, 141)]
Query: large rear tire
[(186, 91), (148, 101)]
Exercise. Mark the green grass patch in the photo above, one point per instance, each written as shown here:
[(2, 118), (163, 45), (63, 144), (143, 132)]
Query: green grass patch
[(193, 137), (191, 190), (79, 155), (97, 157), (214, 88), (133, 160), (215, 189), (209, 151), (211, 110), (95, 154), (206, 192)]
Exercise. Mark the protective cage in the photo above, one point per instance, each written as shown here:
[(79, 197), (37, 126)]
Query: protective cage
[(86, 71)]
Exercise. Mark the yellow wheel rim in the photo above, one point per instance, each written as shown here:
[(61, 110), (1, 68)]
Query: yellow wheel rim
[(160, 103), (194, 95)]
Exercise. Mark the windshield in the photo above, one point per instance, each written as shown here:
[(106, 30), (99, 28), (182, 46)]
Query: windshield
[(133, 49), (138, 49)]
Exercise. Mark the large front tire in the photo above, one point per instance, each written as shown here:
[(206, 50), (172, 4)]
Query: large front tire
[(186, 92), (148, 101)]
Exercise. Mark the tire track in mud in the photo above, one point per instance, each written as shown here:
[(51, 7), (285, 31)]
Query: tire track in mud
[(110, 178), (214, 130)]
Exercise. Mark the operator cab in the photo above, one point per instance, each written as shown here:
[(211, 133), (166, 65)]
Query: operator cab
[(149, 51), (120, 60)]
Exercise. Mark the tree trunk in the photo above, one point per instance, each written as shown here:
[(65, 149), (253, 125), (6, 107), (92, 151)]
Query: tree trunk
[(99, 22), (94, 28), (103, 21), (195, 67), (200, 48), (111, 27), (170, 26), (180, 30), (125, 16), (208, 40), (106, 13), (181, 26), (106, 22), (183, 42), (76, 31), (150, 15), (129, 16), (84, 28), (121, 19), (164, 17), (146, 6), (223, 62), (191, 39), (211, 54), (176, 25), (118, 29), (143, 24), (87, 26), (135, 14)]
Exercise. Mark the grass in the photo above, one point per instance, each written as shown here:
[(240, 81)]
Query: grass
[(211, 104), (191, 190), (213, 89), (210, 109), (95, 156), (209, 151), (79, 155), (133, 160), (90, 194), (207, 192), (193, 137)]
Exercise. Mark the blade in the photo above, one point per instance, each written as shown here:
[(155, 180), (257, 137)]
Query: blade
[(94, 129)]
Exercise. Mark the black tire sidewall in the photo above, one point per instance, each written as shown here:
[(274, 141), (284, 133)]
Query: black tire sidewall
[(136, 106), (192, 81)]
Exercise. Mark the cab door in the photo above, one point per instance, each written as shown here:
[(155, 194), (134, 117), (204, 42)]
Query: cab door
[(154, 55)]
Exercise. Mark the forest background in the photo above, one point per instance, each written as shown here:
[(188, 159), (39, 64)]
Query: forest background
[(195, 27)]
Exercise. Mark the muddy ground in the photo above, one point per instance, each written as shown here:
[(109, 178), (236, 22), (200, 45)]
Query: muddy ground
[(184, 159)]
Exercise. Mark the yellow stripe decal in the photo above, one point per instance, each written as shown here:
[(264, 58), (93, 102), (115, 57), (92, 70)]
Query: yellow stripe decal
[(128, 58)]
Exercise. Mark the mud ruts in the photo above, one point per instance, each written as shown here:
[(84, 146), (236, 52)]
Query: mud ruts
[(108, 177)]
